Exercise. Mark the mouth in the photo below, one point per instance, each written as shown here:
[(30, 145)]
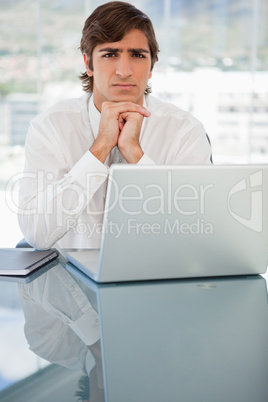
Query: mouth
[(124, 86)]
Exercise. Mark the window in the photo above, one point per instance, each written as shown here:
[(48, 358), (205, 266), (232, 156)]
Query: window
[(213, 62)]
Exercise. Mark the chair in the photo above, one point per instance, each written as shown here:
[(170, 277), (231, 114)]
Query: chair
[(23, 244)]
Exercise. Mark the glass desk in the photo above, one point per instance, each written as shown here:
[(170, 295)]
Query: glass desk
[(177, 340)]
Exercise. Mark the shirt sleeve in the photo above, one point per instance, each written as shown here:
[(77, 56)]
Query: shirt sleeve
[(50, 338), (51, 191), (146, 160), (52, 323), (195, 148)]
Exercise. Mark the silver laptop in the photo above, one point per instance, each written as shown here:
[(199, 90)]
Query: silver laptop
[(163, 222)]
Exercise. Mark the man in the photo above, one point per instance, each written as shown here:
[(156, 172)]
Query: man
[(70, 147)]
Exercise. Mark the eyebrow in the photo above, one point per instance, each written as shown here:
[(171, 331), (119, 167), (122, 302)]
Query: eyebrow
[(118, 50)]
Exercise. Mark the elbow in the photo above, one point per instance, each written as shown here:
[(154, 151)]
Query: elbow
[(34, 236)]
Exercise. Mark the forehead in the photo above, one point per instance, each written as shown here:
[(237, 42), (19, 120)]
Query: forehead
[(134, 39)]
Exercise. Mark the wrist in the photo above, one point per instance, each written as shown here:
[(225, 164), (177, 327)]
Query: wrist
[(100, 150), (132, 154)]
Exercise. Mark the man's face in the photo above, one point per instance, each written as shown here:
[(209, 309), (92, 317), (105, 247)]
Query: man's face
[(121, 69)]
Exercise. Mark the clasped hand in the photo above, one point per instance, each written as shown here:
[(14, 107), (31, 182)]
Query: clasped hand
[(120, 125)]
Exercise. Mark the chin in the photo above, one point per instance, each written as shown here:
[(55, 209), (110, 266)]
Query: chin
[(125, 98)]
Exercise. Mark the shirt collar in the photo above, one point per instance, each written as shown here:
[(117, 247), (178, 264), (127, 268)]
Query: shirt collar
[(94, 115)]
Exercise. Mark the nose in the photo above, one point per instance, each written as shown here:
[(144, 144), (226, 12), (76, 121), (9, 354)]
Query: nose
[(123, 67)]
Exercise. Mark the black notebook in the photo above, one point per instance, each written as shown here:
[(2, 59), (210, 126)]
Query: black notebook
[(21, 262)]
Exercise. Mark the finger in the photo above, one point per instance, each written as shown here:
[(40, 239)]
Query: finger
[(123, 107), (121, 122), (131, 115)]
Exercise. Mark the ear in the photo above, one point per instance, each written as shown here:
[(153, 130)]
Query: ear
[(86, 61)]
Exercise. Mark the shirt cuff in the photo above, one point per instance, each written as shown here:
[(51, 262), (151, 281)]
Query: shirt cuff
[(89, 169), (145, 160), (87, 327)]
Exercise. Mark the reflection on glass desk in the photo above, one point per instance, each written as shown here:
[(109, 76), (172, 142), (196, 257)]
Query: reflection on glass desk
[(176, 340)]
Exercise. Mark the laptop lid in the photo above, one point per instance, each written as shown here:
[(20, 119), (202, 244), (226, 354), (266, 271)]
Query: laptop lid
[(165, 222)]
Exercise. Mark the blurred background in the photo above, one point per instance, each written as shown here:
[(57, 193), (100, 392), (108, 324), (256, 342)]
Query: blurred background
[(213, 63)]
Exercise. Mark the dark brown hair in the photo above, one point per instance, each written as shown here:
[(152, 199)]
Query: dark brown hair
[(110, 22)]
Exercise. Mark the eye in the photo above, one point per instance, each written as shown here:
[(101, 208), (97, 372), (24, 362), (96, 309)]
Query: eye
[(109, 55), (139, 55)]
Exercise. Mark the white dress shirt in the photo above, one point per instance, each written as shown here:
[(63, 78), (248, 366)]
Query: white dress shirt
[(64, 187), (60, 328)]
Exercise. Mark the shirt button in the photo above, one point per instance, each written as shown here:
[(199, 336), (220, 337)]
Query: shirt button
[(96, 322), (98, 179)]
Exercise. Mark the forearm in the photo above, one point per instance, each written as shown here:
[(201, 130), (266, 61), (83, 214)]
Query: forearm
[(46, 207), (100, 149)]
